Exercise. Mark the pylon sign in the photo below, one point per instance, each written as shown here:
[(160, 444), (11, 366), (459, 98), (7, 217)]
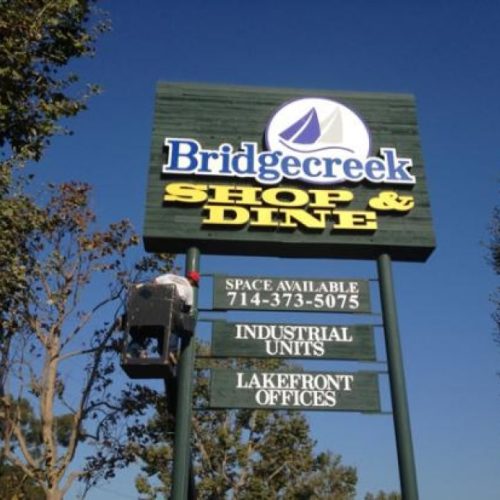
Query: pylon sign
[(291, 173)]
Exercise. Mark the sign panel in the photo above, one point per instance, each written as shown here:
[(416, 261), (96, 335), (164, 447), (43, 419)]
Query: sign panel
[(356, 391), (291, 294), (336, 175), (262, 340)]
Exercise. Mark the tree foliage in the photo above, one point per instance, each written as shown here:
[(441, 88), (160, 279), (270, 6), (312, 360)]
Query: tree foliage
[(39, 39), (63, 338), (19, 216), (242, 454), (15, 484)]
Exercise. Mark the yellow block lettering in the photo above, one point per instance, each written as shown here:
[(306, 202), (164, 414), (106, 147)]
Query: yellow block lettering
[(285, 197), (387, 201), (241, 195), (263, 217), (294, 215), (185, 193), (356, 220), (323, 198), (226, 215)]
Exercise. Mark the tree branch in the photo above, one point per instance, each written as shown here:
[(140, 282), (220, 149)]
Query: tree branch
[(69, 481), (73, 354), (36, 329), (80, 413), (278, 470), (18, 463), (199, 442), (88, 316), (24, 447)]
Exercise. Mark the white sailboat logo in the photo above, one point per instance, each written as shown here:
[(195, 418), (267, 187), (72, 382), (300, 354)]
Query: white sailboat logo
[(311, 127), (308, 134)]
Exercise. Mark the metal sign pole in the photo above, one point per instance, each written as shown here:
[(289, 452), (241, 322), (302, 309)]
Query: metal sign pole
[(404, 443), (182, 442)]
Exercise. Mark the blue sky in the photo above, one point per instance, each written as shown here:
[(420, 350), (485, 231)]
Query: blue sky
[(443, 52)]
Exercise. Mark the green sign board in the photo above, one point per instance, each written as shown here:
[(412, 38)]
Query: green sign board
[(358, 391), (290, 294), (262, 340), (289, 173)]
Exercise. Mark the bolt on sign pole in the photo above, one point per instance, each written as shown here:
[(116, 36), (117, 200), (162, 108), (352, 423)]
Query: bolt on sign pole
[(407, 472), (182, 442)]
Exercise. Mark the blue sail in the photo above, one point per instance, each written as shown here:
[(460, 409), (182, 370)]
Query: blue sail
[(306, 130)]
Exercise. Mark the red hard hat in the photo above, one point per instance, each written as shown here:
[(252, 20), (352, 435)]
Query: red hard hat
[(194, 275)]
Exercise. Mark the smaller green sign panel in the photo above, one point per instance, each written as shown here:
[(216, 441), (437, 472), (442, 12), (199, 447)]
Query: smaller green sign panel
[(262, 340), (291, 294), (358, 391)]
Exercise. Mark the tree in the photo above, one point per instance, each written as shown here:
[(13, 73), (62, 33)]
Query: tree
[(243, 454), (64, 339), (39, 38)]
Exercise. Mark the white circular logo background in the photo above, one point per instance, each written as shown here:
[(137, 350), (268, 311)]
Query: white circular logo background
[(317, 127)]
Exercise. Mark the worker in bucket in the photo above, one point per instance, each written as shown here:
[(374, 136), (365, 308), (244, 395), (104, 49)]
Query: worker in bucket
[(184, 286)]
